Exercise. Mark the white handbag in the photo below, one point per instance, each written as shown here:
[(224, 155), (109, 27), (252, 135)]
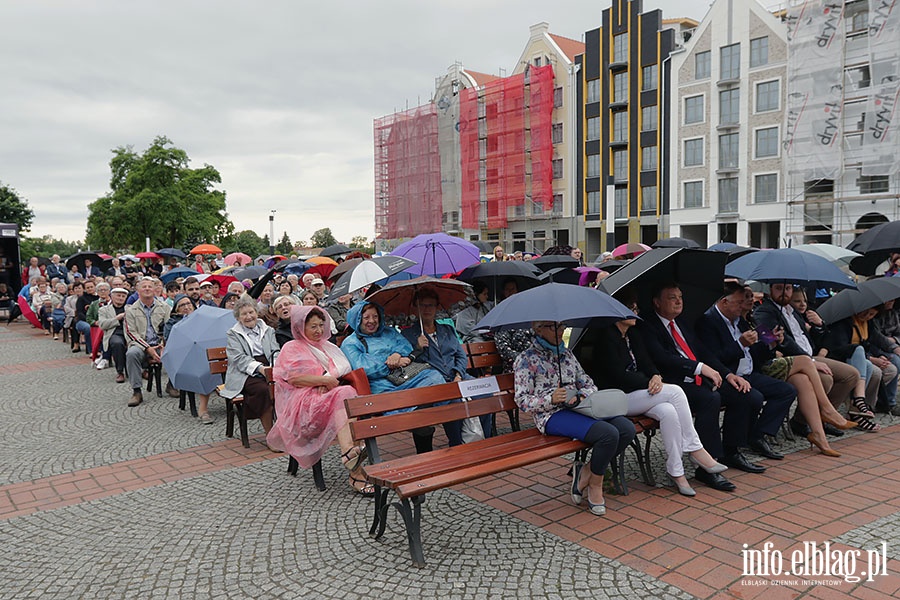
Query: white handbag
[(603, 404)]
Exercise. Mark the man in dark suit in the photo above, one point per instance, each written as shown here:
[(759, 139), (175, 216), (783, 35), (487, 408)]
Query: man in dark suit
[(838, 378), (90, 270), (722, 330), (683, 360)]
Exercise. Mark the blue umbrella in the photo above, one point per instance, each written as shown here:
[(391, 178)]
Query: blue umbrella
[(788, 265), (298, 268), (177, 272), (185, 355), (557, 302), (171, 252)]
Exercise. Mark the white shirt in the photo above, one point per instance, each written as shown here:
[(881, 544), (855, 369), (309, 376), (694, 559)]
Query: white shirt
[(796, 329), (665, 323), (746, 365)]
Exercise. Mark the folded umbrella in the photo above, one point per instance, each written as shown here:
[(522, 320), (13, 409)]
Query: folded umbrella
[(367, 272), (788, 265), (438, 254), (184, 356)]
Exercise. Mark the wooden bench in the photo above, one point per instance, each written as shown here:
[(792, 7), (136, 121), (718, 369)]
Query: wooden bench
[(412, 477), (482, 359)]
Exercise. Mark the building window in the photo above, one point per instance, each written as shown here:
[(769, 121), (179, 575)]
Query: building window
[(728, 195), (730, 62), (874, 184), (693, 109), (858, 22), (648, 198), (765, 188), (557, 97), (767, 142), (621, 202), (729, 106), (593, 203), (693, 194), (620, 166), (649, 158), (702, 62), (593, 128), (593, 90), (759, 52), (728, 151), (593, 165), (768, 96), (620, 48), (620, 127), (693, 152), (557, 204), (557, 133), (649, 118), (649, 76), (557, 168), (537, 61), (620, 87), (857, 78)]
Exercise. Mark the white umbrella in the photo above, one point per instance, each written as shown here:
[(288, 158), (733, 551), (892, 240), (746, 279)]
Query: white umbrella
[(840, 256)]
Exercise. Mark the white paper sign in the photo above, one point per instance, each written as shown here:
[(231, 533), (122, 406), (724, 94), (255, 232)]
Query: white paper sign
[(475, 388)]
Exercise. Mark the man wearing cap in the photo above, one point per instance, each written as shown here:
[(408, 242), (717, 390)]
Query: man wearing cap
[(144, 321), (206, 295), (110, 318), (317, 286)]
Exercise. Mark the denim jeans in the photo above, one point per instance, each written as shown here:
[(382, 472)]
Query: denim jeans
[(84, 329)]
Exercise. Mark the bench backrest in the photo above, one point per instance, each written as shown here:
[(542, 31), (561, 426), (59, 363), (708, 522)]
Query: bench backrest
[(218, 360), (482, 355), (369, 409)]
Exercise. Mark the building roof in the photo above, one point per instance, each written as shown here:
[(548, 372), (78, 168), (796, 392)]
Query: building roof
[(571, 48), (687, 21), (480, 78)]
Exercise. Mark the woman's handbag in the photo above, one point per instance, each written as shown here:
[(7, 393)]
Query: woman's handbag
[(603, 404), (401, 375)]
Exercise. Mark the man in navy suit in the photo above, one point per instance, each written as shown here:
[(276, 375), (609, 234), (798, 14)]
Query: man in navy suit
[(90, 270), (723, 331), (708, 384)]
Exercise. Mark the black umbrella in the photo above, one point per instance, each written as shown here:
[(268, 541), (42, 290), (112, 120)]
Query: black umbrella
[(732, 250), (869, 294), (335, 250), (675, 242), (78, 259), (699, 274), (484, 247), (561, 275), (495, 274), (171, 252), (251, 272), (555, 261), (875, 245), (613, 264)]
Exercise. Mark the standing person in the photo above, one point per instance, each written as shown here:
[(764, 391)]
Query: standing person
[(251, 347), (309, 398), (144, 321), (33, 269), (547, 373), (111, 319)]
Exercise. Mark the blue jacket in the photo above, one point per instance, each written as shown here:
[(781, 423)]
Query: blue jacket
[(371, 354)]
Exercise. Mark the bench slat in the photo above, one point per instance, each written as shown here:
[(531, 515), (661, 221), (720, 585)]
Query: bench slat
[(396, 473), (430, 484)]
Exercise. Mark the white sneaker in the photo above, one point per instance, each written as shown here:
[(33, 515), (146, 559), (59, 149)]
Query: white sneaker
[(102, 364)]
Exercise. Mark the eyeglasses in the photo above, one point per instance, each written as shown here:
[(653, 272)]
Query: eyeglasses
[(557, 326)]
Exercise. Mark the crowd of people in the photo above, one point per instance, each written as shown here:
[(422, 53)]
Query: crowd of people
[(719, 386)]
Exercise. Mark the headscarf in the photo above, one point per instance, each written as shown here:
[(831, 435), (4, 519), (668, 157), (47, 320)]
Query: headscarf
[(179, 298), (329, 355)]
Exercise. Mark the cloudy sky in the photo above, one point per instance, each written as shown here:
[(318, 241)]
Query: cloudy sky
[(278, 95)]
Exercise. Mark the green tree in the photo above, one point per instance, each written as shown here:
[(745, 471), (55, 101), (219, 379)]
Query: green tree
[(248, 242), (14, 208), (361, 243), (47, 246), (285, 246), (157, 195), (322, 238)]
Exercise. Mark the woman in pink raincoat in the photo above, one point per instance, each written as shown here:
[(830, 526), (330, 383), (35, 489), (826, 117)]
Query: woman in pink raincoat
[(309, 400)]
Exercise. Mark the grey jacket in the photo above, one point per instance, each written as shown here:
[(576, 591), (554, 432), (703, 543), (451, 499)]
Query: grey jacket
[(107, 321), (241, 363)]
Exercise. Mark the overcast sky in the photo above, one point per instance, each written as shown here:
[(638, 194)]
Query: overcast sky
[(279, 96)]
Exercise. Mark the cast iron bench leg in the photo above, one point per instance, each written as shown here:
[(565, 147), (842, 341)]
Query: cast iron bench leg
[(229, 418), (242, 421), (411, 511), (293, 465), (318, 477)]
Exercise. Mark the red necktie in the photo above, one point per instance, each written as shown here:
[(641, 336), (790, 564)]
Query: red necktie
[(684, 347)]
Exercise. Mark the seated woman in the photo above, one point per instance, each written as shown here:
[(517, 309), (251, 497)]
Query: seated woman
[(854, 341), (622, 362), (467, 318), (229, 300), (439, 345), (546, 373), (281, 308), (377, 350), (310, 400), (182, 307), (307, 298), (251, 347)]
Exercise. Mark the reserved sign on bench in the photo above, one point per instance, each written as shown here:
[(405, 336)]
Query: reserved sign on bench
[(478, 388)]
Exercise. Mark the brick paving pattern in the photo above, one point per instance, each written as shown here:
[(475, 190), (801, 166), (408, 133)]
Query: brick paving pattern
[(99, 500)]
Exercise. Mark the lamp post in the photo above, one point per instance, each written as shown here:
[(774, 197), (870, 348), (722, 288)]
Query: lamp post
[(272, 232)]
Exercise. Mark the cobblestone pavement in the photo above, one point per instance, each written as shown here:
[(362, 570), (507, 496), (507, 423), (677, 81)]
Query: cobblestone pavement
[(101, 501)]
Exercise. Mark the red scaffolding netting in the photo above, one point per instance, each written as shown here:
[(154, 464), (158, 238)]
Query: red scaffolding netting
[(497, 128), (407, 173)]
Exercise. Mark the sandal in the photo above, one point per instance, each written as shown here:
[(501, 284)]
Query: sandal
[(860, 408), (367, 490), (867, 424), (352, 461)]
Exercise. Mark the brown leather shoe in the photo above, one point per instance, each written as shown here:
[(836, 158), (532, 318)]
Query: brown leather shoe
[(120, 378), (172, 391), (136, 399)]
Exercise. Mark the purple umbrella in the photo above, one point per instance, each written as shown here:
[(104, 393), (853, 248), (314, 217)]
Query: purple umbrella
[(588, 275), (438, 254)]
